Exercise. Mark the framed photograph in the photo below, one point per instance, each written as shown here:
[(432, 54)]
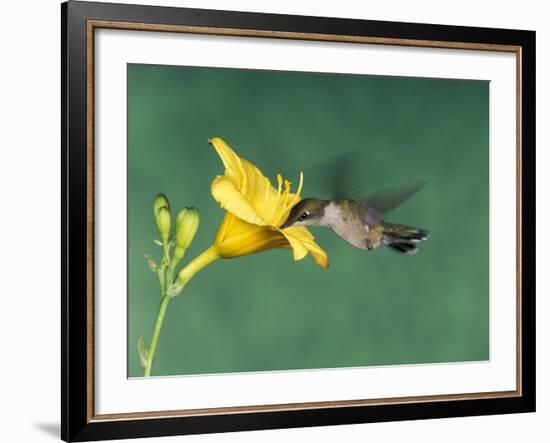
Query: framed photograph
[(277, 221)]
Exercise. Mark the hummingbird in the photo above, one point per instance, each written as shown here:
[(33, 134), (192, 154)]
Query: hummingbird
[(358, 224), (360, 221)]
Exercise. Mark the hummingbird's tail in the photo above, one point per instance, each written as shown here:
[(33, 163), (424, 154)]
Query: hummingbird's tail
[(403, 239)]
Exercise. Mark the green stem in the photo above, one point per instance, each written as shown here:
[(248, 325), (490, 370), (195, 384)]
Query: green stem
[(156, 333), (194, 266), (170, 273), (166, 250), (179, 252), (162, 283), (186, 274)]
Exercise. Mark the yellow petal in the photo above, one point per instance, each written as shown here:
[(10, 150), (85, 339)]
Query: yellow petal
[(266, 202), (247, 179), (231, 161), (298, 249), (318, 254), (259, 192), (229, 198), (237, 237), (308, 240), (300, 232)]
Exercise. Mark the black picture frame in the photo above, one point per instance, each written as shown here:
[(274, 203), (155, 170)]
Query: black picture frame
[(77, 423)]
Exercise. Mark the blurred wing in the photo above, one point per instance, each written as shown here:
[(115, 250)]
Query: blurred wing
[(349, 179), (345, 176), (339, 177), (388, 200)]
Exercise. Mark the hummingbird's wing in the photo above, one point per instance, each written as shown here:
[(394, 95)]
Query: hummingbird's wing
[(348, 176), (335, 178), (345, 176), (389, 199)]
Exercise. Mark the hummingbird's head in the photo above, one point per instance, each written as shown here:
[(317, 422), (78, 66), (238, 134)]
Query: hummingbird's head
[(307, 212)]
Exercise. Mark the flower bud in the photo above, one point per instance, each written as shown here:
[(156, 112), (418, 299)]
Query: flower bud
[(160, 202), (187, 223), (163, 223)]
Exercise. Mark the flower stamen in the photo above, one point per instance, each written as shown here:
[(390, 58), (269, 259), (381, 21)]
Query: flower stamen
[(299, 191), (287, 192)]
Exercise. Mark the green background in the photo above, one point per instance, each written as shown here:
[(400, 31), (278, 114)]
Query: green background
[(265, 311)]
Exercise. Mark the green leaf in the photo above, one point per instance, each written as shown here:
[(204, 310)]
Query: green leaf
[(143, 352), (152, 265)]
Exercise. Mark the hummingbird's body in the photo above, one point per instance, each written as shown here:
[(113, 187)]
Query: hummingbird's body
[(356, 223), (353, 222)]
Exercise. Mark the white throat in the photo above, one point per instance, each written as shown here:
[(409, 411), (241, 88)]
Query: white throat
[(332, 215)]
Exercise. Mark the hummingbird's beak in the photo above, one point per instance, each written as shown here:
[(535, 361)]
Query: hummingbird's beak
[(285, 225)]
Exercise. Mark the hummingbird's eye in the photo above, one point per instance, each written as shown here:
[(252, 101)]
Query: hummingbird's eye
[(303, 215)]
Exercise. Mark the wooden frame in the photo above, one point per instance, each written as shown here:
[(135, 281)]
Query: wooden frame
[(79, 21)]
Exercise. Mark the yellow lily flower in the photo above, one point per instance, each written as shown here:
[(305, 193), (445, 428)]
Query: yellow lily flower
[(256, 210)]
